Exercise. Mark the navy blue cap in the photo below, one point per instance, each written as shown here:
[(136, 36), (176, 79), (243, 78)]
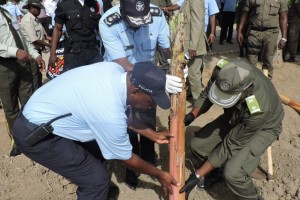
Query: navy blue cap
[(151, 80)]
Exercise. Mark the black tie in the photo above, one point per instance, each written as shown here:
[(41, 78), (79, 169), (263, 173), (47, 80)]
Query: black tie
[(13, 31)]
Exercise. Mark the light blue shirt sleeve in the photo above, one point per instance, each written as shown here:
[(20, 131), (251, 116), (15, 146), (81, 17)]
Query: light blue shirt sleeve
[(114, 49), (18, 11), (164, 33), (211, 8)]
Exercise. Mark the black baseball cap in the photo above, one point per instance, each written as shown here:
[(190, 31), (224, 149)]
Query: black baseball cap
[(233, 79), (34, 3), (136, 12), (151, 80)]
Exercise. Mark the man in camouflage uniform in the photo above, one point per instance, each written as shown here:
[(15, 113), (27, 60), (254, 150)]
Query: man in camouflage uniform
[(293, 29), (251, 122), (263, 19)]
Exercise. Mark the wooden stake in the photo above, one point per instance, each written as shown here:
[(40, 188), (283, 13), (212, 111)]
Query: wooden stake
[(177, 112), (270, 175)]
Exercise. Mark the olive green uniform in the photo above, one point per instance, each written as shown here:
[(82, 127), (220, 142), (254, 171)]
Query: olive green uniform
[(237, 138), (294, 27), (195, 39), (33, 30), (264, 18)]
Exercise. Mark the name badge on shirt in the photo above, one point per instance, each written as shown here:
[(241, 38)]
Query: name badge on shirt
[(252, 104)]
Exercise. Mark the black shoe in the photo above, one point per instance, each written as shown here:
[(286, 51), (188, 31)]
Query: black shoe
[(221, 42), (241, 55), (131, 184), (291, 59), (131, 180), (14, 152), (211, 179), (229, 41)]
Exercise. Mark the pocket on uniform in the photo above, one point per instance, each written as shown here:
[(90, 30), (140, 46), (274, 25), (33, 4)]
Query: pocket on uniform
[(258, 146), (74, 21), (149, 45), (274, 9)]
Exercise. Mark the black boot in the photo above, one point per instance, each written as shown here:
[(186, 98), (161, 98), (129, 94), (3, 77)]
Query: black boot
[(14, 152)]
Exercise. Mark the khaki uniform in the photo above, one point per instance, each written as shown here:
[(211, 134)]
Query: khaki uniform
[(264, 18), (195, 39), (33, 30), (237, 139), (15, 76), (293, 28)]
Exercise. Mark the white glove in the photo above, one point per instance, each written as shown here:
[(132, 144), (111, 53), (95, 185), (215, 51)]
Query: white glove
[(185, 72), (173, 84)]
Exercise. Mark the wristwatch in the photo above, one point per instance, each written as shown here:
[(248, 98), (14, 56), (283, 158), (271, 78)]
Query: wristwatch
[(284, 39)]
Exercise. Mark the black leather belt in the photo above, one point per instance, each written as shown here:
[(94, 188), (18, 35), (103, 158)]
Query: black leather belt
[(83, 45), (263, 28)]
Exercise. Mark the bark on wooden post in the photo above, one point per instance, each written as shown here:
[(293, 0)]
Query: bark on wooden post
[(177, 111)]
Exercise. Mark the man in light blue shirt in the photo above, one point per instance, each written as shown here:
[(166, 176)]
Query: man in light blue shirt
[(211, 9), (15, 13), (124, 42), (96, 98), (130, 33)]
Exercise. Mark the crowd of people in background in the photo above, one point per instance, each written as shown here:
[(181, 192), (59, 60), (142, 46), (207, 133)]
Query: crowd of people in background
[(130, 33)]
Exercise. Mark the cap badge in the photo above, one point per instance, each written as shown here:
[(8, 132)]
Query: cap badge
[(139, 6), (92, 9), (224, 85)]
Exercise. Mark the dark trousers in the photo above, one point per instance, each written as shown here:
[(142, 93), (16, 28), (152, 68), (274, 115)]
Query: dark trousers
[(36, 76), (227, 26), (15, 88), (143, 146), (78, 58), (81, 163)]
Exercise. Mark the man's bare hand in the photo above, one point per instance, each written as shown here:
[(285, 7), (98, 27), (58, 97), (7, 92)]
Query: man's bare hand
[(52, 60), (162, 137), (281, 44), (240, 38), (167, 180), (22, 55), (192, 53), (41, 63)]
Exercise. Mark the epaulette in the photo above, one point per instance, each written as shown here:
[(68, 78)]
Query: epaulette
[(112, 18), (253, 105), (221, 63), (155, 11)]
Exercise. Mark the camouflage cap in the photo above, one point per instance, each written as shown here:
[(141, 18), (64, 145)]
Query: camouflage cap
[(233, 79)]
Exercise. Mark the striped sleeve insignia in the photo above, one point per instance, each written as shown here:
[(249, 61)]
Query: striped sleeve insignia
[(155, 11), (112, 18), (253, 105), (222, 63)]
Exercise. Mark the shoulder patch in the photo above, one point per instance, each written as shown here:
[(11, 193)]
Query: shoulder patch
[(155, 11), (252, 104), (112, 18), (221, 63)]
